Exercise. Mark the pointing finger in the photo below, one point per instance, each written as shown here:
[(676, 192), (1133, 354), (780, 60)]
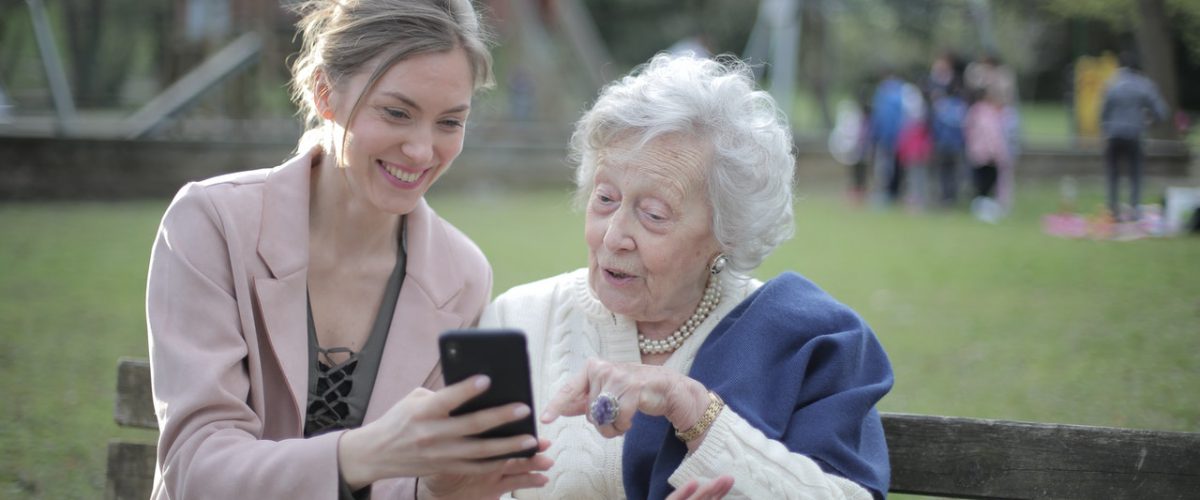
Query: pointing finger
[(571, 400)]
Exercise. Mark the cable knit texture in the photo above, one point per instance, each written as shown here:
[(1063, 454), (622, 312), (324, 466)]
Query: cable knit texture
[(566, 325)]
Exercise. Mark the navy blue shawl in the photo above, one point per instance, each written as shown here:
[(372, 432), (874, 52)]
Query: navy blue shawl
[(799, 366)]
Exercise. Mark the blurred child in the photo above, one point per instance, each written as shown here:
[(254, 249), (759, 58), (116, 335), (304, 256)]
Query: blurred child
[(949, 113), (887, 119), (913, 151), (987, 152), (850, 142)]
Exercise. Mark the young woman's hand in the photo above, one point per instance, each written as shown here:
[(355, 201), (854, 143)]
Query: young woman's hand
[(515, 474), (418, 437)]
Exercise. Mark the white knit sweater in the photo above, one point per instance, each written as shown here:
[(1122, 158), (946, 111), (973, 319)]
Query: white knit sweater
[(566, 325)]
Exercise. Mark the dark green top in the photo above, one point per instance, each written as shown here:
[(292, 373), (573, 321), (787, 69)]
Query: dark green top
[(338, 395)]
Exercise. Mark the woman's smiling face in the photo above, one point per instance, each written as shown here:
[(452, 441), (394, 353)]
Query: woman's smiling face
[(408, 129), (649, 229)]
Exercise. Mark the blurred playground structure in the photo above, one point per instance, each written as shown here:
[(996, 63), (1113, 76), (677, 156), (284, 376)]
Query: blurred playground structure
[(199, 84)]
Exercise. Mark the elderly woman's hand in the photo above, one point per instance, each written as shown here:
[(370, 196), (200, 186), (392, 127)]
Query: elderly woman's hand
[(653, 390), (712, 490)]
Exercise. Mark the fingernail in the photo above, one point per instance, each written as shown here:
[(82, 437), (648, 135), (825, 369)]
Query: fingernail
[(482, 381), (547, 417), (529, 443), (520, 411)]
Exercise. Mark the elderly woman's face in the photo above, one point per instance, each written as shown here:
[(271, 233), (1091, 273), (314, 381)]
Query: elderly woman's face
[(649, 229)]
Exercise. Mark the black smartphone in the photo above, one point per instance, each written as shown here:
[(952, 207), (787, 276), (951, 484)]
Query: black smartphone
[(501, 355)]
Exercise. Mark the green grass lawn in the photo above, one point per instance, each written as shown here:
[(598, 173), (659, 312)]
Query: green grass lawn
[(995, 321)]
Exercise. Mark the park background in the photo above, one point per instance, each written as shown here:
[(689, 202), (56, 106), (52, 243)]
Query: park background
[(110, 105)]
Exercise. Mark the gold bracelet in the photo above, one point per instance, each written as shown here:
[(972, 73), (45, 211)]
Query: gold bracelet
[(715, 405)]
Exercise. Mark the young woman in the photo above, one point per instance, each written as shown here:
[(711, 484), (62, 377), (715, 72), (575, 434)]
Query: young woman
[(293, 311)]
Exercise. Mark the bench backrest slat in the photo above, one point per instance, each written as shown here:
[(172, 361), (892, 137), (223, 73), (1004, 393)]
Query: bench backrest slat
[(961, 457), (950, 456), (130, 471), (135, 404)]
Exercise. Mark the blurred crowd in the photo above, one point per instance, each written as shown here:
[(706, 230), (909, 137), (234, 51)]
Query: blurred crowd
[(946, 137)]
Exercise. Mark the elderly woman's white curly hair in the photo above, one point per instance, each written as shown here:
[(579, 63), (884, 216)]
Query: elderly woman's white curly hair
[(714, 102)]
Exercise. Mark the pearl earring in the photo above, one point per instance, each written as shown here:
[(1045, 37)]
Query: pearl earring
[(718, 264)]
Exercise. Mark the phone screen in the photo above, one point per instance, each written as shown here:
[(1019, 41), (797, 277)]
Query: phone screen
[(501, 355)]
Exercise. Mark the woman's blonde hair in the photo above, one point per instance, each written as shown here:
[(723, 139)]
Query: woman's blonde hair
[(339, 38)]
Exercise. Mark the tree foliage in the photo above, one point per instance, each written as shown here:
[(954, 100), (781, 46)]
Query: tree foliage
[(635, 29), (1115, 13), (1121, 14)]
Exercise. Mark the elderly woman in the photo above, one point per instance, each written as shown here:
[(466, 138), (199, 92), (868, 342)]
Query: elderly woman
[(688, 370)]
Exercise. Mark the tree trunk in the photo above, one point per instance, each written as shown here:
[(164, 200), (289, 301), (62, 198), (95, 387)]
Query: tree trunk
[(1152, 31), (816, 46)]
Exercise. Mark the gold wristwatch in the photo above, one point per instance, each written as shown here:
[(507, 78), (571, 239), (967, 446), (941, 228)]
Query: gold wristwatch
[(715, 405)]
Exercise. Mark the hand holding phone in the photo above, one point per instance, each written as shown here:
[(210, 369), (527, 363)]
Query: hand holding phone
[(501, 355)]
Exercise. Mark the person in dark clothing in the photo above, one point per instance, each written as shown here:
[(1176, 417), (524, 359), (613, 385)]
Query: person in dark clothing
[(949, 113), (1128, 98)]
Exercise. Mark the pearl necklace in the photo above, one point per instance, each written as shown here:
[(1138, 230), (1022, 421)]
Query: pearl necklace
[(712, 297)]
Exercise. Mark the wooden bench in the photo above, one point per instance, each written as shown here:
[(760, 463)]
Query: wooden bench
[(930, 455)]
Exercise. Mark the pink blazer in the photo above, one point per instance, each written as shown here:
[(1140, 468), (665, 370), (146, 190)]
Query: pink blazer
[(225, 305)]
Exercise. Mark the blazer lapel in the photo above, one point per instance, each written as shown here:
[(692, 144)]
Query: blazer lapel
[(422, 313), (282, 297)]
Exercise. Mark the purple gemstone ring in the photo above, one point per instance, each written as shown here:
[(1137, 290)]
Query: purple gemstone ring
[(604, 409)]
